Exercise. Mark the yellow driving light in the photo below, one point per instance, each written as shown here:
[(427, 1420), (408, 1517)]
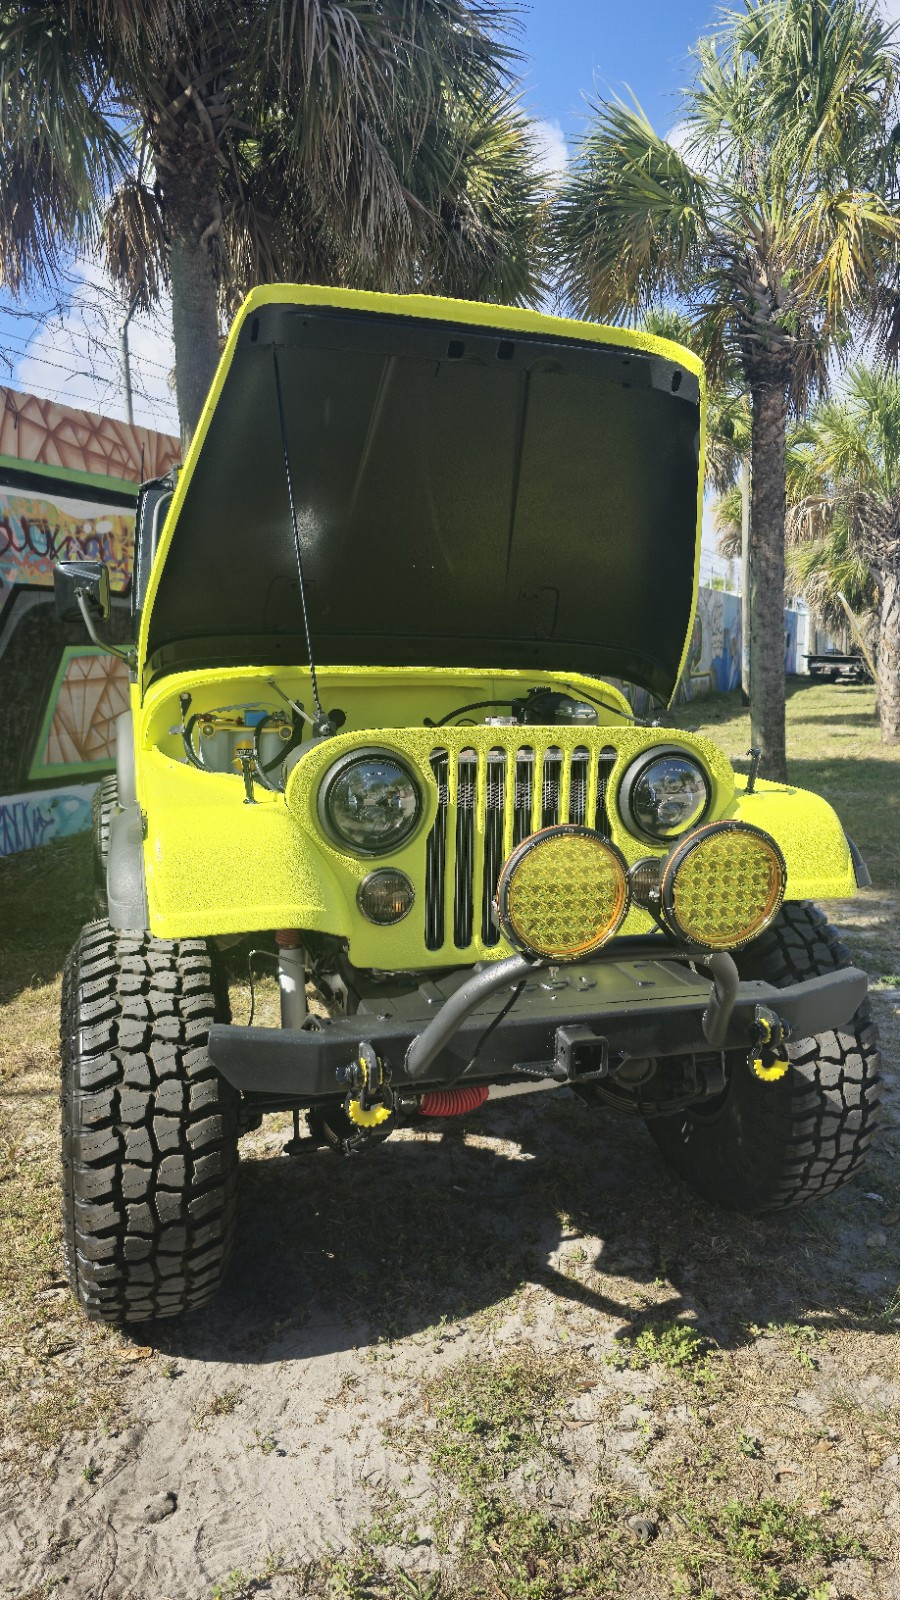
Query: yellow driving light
[(563, 893), (722, 885)]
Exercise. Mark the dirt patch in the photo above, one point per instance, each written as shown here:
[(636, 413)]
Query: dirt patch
[(513, 1359)]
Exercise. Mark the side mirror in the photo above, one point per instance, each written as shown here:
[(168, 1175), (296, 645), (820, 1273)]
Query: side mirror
[(88, 580)]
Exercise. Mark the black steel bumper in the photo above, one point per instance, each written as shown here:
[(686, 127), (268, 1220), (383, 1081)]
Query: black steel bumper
[(643, 1007)]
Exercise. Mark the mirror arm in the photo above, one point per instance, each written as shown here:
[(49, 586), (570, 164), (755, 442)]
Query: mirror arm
[(128, 656)]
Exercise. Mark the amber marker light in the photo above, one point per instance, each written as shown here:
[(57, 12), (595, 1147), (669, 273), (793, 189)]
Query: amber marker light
[(563, 893), (722, 885)]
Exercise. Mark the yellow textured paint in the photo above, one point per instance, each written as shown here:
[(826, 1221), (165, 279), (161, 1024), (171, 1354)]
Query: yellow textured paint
[(216, 866), (808, 832)]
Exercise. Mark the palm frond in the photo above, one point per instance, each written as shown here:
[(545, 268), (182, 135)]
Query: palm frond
[(134, 242), (845, 242), (631, 219), (727, 511), (824, 565), (832, 78), (62, 151)]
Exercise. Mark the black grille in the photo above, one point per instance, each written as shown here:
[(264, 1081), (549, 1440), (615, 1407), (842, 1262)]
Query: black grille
[(436, 855), (495, 803), (466, 779), (564, 783)]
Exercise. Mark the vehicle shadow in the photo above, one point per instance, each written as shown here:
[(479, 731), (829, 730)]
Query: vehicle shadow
[(334, 1255), (862, 719)]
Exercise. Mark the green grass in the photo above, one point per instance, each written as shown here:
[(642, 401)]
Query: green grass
[(834, 748), (60, 1374), (672, 1345), (773, 1549)]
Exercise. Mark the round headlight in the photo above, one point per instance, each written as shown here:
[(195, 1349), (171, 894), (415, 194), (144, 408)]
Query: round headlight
[(385, 897), (563, 893), (663, 793), (722, 885), (369, 802)]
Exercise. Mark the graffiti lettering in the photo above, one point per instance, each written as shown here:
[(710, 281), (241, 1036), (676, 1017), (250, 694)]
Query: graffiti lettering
[(22, 826), (29, 820), (31, 541)]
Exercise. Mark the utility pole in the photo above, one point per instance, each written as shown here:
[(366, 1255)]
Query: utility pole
[(125, 353), (745, 580)]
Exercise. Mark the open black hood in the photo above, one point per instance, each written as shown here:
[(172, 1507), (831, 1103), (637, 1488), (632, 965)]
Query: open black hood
[(475, 487)]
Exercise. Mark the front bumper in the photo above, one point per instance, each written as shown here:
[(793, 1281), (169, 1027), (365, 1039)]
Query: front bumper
[(646, 1006)]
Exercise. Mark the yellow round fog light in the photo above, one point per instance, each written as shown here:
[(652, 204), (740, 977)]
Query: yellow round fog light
[(563, 893), (722, 885)]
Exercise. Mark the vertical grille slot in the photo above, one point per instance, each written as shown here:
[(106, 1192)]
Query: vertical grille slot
[(605, 763), (578, 792), (552, 783), (524, 795), (494, 804), (467, 774), (436, 854), (488, 802)]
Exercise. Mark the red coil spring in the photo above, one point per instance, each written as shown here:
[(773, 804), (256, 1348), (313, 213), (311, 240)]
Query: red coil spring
[(452, 1102)]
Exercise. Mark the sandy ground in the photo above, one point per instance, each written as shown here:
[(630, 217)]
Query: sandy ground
[(280, 1428)]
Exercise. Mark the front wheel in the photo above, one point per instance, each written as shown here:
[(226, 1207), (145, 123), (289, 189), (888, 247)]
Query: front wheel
[(149, 1128), (767, 1146)]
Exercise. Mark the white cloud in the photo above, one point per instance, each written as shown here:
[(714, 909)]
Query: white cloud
[(678, 137), (553, 154), (74, 356)]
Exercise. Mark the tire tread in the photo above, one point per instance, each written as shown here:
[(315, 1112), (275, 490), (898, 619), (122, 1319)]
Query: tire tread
[(780, 1145), (147, 1211)]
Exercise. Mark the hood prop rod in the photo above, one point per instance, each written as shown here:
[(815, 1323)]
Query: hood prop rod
[(322, 725)]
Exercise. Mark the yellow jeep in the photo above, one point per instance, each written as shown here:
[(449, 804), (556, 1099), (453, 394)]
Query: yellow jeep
[(381, 618)]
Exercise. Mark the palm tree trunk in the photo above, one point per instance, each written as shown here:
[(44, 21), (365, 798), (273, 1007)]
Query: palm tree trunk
[(767, 577), (195, 319), (889, 655), (186, 167)]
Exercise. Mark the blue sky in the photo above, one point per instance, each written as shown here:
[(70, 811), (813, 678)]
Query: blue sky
[(584, 49)]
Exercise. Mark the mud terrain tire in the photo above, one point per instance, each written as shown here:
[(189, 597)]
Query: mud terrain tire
[(103, 806), (768, 1146), (149, 1128)]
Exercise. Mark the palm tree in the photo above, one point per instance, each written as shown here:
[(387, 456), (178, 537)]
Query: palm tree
[(845, 520), (765, 223), (727, 446), (218, 146)]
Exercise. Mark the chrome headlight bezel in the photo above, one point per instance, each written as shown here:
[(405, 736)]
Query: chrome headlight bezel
[(636, 770), (352, 758)]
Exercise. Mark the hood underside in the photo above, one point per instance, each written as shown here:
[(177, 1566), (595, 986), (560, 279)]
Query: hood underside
[(474, 487)]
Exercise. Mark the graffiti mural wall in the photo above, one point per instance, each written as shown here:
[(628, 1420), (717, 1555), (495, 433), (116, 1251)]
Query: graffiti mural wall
[(714, 656), (68, 481)]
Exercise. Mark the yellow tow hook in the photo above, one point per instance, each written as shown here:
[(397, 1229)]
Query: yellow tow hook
[(369, 1103), (769, 1059)]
